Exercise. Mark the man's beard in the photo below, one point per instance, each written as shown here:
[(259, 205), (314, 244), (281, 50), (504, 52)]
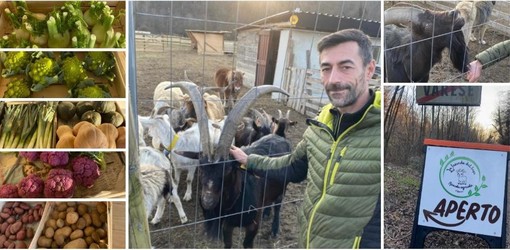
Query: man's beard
[(348, 98)]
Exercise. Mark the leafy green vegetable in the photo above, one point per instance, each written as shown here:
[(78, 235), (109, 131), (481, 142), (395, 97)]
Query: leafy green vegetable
[(72, 71), (15, 62), (17, 88), (101, 63), (43, 72)]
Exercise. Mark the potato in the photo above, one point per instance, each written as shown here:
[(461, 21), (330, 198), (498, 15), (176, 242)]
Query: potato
[(76, 234), (89, 240), (96, 220), (95, 237), (89, 230), (20, 245), (76, 244), (66, 231), (51, 223), (101, 207), (44, 242), (61, 207), (21, 234), (54, 215), (94, 246), (103, 244), (60, 223), (62, 215), (3, 227), (101, 232), (82, 209), (72, 217), (3, 238), (81, 223), (16, 227), (49, 232), (88, 219), (60, 239), (30, 233), (71, 209), (71, 204)]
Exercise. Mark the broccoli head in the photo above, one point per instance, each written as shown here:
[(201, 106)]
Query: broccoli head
[(85, 171), (17, 88), (59, 184), (9, 191), (101, 63), (88, 89), (31, 186), (15, 62), (55, 159), (43, 72), (72, 71)]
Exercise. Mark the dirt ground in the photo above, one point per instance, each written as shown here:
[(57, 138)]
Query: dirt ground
[(155, 65)]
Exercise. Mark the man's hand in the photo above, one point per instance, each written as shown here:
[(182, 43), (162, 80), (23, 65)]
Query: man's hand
[(475, 70), (239, 155)]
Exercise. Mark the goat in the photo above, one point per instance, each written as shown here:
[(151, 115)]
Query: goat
[(166, 97), (476, 14), (411, 51), (157, 184), (230, 197), (231, 81), (252, 128)]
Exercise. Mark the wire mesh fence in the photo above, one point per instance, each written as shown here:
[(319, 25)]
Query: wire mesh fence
[(432, 52), (166, 51)]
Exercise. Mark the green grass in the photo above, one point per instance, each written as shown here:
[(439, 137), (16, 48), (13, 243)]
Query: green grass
[(409, 180)]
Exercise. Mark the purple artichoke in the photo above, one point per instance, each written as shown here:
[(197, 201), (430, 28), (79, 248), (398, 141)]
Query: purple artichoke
[(55, 159), (31, 186), (59, 184), (85, 171)]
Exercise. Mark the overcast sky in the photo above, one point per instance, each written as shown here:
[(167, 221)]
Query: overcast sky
[(490, 98)]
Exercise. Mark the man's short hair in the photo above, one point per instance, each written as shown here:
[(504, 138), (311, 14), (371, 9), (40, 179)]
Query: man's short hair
[(348, 35)]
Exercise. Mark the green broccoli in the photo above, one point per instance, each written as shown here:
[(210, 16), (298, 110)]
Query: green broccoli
[(17, 88), (15, 62), (101, 63), (88, 89), (72, 71), (43, 72)]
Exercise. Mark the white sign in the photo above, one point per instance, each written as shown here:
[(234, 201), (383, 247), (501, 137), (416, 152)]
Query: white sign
[(463, 190), (449, 95)]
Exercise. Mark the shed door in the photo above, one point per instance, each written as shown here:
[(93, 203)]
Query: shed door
[(267, 55)]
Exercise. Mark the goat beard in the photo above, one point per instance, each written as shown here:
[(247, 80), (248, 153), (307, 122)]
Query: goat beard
[(354, 91)]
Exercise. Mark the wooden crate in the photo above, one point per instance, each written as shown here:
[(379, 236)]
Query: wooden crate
[(54, 137), (47, 6), (110, 184), (117, 87), (52, 205), (34, 226), (76, 119)]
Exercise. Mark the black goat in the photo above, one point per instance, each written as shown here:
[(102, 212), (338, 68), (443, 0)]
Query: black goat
[(232, 197), (411, 51)]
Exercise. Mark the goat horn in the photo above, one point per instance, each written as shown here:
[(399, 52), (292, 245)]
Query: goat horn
[(403, 15), (280, 116), (237, 113), (198, 104), (288, 113)]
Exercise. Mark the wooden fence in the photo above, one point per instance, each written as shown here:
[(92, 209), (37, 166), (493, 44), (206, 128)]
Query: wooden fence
[(153, 42), (307, 95)]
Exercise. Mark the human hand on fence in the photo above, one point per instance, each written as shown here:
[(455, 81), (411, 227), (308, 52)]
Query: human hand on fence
[(239, 155), (475, 70)]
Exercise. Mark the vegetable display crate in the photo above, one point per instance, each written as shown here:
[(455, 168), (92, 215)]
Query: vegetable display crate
[(26, 227), (27, 124), (110, 184), (6, 28), (92, 138), (117, 88), (55, 210)]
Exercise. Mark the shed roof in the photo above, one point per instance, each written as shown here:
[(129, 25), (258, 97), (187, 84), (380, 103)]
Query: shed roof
[(317, 21)]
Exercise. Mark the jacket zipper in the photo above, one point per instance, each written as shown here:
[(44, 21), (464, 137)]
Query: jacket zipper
[(328, 166)]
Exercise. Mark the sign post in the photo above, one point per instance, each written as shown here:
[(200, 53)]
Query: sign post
[(463, 189)]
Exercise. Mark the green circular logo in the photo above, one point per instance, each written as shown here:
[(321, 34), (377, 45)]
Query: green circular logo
[(461, 177)]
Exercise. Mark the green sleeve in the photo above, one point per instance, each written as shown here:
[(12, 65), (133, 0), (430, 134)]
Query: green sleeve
[(494, 54), (260, 162)]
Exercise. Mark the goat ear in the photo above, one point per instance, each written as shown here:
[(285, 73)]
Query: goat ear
[(188, 154)]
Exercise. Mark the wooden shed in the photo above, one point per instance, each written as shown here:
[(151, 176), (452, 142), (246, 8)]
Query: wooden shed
[(281, 50), (207, 42)]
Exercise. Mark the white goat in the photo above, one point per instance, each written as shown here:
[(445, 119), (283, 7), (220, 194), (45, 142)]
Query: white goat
[(158, 184), (187, 140), (167, 97)]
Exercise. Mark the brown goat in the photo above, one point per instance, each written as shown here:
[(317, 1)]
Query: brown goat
[(231, 81)]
